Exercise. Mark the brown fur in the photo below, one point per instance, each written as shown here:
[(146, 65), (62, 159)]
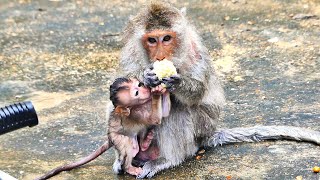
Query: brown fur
[(197, 100)]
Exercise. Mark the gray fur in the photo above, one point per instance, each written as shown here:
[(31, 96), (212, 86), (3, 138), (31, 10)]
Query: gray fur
[(260, 133), (197, 100)]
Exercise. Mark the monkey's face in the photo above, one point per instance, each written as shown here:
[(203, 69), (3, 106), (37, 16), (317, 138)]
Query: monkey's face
[(160, 44), (135, 93)]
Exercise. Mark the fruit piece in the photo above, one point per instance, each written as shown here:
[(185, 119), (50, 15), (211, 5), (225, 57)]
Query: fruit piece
[(198, 157), (164, 68), (316, 169)]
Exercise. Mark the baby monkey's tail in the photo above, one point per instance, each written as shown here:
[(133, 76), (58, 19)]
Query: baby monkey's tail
[(81, 162), (260, 133)]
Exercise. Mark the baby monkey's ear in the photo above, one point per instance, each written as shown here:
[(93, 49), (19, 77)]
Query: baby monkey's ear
[(122, 111)]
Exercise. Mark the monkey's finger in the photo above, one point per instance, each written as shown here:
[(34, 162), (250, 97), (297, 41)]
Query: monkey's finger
[(175, 77), (167, 81), (155, 82), (148, 70), (171, 80), (152, 82), (151, 74), (170, 86)]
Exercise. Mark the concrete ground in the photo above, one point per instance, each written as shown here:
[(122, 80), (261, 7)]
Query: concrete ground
[(61, 54)]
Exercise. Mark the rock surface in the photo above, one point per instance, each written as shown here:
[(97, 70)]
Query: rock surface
[(61, 55)]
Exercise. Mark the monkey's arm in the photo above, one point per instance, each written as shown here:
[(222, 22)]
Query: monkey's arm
[(156, 109), (190, 91), (154, 118)]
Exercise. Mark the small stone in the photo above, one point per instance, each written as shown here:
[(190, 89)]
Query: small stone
[(273, 40), (250, 23), (202, 151), (249, 73), (303, 16), (18, 97), (238, 78)]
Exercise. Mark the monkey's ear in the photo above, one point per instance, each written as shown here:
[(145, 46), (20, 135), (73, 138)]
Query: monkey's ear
[(183, 11), (122, 111)]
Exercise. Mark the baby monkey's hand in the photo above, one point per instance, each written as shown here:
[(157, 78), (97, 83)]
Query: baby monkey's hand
[(159, 90)]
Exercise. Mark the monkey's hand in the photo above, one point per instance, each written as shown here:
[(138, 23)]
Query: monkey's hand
[(158, 90), (150, 78), (147, 140), (171, 82)]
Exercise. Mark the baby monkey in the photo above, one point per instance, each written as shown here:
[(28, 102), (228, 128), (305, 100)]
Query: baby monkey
[(137, 109)]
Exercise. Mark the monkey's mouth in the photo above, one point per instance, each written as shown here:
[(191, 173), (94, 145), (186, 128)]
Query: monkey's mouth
[(140, 101)]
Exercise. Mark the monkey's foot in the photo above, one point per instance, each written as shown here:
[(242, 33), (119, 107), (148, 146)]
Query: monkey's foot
[(147, 141), (117, 169), (150, 168), (134, 170)]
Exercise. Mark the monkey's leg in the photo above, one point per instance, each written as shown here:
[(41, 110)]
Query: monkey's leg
[(260, 133), (132, 152), (117, 165)]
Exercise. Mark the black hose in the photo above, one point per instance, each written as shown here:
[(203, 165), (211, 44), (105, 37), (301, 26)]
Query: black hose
[(17, 116)]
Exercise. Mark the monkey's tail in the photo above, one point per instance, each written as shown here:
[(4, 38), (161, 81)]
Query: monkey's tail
[(260, 133), (81, 162)]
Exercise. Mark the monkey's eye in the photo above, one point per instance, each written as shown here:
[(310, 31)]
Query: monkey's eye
[(137, 93), (152, 40), (140, 84), (167, 38)]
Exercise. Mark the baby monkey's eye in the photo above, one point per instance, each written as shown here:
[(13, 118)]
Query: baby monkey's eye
[(137, 93), (140, 84)]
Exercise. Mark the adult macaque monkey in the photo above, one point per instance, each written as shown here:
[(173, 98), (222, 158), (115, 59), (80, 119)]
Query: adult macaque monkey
[(159, 32)]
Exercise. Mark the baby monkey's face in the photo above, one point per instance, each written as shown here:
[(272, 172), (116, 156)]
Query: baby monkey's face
[(135, 93)]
